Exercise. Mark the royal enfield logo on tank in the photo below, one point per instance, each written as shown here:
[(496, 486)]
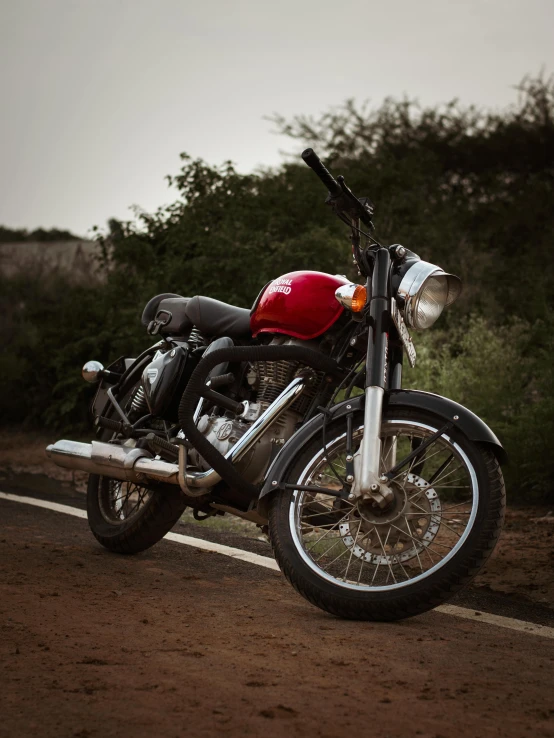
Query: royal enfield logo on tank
[(281, 285)]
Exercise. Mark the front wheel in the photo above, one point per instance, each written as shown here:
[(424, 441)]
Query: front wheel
[(365, 563)]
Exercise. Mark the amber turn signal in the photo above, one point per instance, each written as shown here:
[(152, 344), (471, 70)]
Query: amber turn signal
[(352, 296), (359, 298)]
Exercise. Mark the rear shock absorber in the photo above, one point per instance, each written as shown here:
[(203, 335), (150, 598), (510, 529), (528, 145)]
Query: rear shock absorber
[(138, 403)]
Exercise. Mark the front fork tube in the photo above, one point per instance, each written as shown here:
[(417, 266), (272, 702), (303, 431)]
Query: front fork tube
[(366, 482), (367, 460), (396, 353)]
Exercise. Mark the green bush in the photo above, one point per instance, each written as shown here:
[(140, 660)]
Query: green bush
[(504, 373)]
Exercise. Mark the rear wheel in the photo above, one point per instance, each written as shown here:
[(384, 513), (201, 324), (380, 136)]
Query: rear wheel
[(128, 518), (362, 562)]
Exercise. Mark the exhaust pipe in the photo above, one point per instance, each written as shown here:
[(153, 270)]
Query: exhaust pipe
[(109, 460)]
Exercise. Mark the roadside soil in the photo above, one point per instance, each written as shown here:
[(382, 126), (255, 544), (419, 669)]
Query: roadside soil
[(23, 453), (522, 565), (181, 642)]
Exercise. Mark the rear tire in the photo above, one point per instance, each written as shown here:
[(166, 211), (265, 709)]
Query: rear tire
[(120, 527), (141, 530)]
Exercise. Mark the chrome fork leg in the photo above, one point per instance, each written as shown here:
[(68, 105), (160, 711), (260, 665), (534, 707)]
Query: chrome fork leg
[(368, 457), (370, 447)]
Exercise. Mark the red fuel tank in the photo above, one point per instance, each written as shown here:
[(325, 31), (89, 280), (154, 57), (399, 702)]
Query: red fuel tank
[(298, 304)]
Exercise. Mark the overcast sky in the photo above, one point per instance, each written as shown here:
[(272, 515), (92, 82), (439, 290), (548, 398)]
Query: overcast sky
[(99, 97)]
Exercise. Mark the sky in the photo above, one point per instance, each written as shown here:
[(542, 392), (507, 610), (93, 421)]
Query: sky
[(99, 97)]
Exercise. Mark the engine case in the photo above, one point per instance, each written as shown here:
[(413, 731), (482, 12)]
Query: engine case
[(223, 433)]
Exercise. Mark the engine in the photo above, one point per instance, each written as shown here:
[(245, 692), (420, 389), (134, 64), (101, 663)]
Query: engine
[(266, 381)]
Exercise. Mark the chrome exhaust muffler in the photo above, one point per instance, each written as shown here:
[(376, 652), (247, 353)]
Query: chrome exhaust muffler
[(108, 460)]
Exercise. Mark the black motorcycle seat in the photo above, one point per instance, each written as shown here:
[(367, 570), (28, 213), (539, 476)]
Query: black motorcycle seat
[(212, 317), (179, 324), (215, 318)]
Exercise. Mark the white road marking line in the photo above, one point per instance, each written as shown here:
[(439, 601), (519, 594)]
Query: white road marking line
[(237, 553), (75, 511), (234, 553), (503, 622)]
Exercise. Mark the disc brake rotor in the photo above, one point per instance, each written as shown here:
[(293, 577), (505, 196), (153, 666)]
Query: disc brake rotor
[(399, 534)]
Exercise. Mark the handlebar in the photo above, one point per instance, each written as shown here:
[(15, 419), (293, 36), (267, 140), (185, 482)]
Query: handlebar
[(342, 198), (314, 162)]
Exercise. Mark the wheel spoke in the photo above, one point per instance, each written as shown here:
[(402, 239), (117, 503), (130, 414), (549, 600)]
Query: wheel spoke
[(450, 529), (416, 460), (331, 547), (385, 553), (417, 555), (352, 551), (330, 531), (122, 500), (443, 467), (426, 544)]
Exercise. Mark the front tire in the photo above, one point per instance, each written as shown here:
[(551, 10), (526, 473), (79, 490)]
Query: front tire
[(362, 563)]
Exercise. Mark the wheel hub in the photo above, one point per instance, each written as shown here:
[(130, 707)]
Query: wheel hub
[(399, 532), (371, 513)]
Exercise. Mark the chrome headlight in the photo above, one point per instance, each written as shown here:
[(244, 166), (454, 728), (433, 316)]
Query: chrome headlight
[(424, 291)]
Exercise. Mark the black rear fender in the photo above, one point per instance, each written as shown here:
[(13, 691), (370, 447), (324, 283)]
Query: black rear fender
[(467, 422)]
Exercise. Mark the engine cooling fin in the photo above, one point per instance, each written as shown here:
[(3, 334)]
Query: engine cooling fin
[(274, 376)]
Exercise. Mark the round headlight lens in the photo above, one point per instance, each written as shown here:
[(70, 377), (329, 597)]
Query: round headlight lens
[(430, 302), (424, 291)]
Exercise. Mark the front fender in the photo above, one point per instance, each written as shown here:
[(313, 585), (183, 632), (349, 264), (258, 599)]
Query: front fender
[(470, 425)]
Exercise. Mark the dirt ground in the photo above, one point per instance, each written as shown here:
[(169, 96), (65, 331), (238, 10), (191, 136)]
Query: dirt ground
[(180, 642), (523, 563)]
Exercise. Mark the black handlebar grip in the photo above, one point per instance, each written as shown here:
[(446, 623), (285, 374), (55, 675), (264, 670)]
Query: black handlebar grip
[(314, 162)]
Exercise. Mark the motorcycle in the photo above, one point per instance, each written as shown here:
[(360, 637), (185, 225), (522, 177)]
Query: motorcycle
[(379, 502)]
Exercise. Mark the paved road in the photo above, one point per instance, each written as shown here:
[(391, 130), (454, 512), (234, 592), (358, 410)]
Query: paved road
[(179, 642)]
